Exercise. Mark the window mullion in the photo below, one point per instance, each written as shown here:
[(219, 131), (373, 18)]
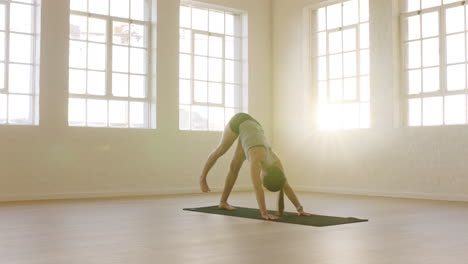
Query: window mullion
[(7, 52), (443, 58), (108, 92)]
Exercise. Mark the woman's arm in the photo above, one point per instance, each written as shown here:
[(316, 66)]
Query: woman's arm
[(289, 191)]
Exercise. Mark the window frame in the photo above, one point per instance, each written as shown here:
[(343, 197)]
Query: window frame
[(150, 65), (239, 37), (443, 91), (34, 64)]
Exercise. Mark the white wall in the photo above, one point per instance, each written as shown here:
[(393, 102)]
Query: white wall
[(388, 159), (56, 161)]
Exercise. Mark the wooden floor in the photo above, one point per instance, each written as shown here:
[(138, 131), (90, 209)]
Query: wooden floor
[(156, 230)]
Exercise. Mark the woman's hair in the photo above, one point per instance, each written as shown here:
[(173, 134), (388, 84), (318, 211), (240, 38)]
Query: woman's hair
[(274, 181)]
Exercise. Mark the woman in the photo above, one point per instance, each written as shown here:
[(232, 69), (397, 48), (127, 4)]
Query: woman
[(265, 166)]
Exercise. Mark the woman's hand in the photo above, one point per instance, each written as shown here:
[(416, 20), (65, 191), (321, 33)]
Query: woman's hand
[(269, 217)]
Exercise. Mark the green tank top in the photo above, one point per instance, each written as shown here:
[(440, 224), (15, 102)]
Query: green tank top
[(251, 135)]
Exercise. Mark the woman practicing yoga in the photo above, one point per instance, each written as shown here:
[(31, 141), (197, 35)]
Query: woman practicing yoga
[(265, 166)]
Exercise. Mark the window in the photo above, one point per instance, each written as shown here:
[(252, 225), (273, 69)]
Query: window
[(341, 59), (19, 67), (434, 38), (211, 68), (109, 65)]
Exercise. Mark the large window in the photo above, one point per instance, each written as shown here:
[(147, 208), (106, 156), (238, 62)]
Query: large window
[(435, 46), (19, 69), (341, 59), (110, 47), (211, 68)]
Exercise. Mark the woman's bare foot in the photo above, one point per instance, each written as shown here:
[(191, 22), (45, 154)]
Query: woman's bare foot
[(226, 206), (204, 186)]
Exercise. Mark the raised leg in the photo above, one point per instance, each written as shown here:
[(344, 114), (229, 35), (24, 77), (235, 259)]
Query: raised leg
[(226, 142), (234, 168)]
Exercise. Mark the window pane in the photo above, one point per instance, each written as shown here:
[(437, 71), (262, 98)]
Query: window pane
[(432, 111), (78, 27), (431, 79), (413, 54), (230, 25), (137, 86), (138, 9), (200, 91), (118, 113), (413, 27), (77, 81), (430, 3), (455, 19), (185, 66), (216, 70), (364, 62), (336, 90), (19, 109), (414, 109), (120, 84), (200, 19), (97, 30), (185, 19), (201, 68), (232, 71), (216, 120), (349, 39), (216, 22), (364, 10), (456, 48), (215, 93), (351, 116), (119, 59), (121, 33), (455, 109), (350, 12), (120, 8), (322, 68), (321, 43), (336, 66), (321, 19), (185, 95), (21, 48), (216, 47), (350, 89), (185, 41), (365, 89), (3, 108), (97, 113), (137, 60), (77, 54), (79, 5), (76, 112), (2, 46), (137, 114), (96, 56), (2, 75), (96, 83), (201, 44), (21, 18), (335, 42), (184, 117), (430, 24), (199, 117), (138, 36), (414, 81), (323, 92), (350, 64), (232, 95), (99, 7), (334, 16), (456, 76), (413, 5), (431, 52), (20, 79)]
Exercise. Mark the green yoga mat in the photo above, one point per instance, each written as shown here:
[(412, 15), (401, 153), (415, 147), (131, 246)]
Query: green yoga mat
[(292, 218)]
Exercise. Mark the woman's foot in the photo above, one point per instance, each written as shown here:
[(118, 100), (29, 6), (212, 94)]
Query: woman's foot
[(204, 186), (226, 206)]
